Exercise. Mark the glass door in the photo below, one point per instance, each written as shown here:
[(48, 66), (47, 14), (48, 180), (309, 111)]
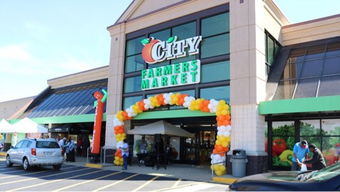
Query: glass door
[(206, 145)]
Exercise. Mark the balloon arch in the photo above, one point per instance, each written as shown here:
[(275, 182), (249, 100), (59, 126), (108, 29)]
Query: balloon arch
[(220, 108)]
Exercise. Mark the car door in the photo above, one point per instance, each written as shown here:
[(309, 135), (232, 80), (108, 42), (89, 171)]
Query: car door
[(14, 152), (21, 150)]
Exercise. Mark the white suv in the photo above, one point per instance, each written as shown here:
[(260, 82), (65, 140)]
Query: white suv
[(35, 152)]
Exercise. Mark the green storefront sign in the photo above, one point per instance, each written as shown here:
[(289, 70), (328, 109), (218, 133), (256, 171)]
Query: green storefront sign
[(184, 73)]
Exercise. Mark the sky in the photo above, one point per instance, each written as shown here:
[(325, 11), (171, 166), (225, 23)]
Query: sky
[(45, 39)]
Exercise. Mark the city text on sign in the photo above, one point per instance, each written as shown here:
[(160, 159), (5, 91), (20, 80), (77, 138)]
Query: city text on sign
[(171, 75), (155, 51)]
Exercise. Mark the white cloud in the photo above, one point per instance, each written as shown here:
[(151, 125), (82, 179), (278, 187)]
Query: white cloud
[(15, 53)]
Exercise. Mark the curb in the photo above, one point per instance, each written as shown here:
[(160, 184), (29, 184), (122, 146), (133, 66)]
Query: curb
[(223, 180), (92, 165)]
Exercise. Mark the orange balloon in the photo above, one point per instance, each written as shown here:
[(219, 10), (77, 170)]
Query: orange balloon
[(180, 100), (125, 115), (160, 99), (140, 104)]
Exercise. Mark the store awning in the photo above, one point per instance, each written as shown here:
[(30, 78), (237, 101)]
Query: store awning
[(26, 125), (75, 100), (301, 105), (5, 127), (160, 127)]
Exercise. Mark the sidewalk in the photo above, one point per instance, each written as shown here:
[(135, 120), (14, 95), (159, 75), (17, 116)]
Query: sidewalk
[(183, 171)]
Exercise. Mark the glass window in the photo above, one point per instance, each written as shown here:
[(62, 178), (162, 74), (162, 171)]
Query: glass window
[(312, 140), (215, 25), (270, 50), (312, 68), (214, 46), (316, 52), (333, 49), (281, 148), (291, 70), (128, 101), (331, 127), (132, 84), (309, 127), (134, 46), (161, 35), (166, 62), (285, 90), (215, 72), (184, 31), (134, 63), (182, 59), (332, 66), (327, 86), (283, 128), (306, 88), (216, 93), (330, 149)]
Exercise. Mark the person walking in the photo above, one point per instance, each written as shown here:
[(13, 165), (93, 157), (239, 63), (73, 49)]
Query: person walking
[(318, 161), (300, 152), (125, 153)]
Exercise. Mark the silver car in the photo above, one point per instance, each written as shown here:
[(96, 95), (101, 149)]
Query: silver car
[(35, 152)]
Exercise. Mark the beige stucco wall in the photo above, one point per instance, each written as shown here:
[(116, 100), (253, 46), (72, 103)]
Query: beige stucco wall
[(144, 7), (273, 19), (247, 74), (81, 77), (173, 12), (322, 28)]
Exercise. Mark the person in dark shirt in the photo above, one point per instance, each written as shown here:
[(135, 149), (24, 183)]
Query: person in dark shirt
[(318, 161)]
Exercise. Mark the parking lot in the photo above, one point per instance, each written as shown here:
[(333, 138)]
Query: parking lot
[(78, 178)]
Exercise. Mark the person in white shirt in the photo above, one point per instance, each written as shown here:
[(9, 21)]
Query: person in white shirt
[(125, 153)]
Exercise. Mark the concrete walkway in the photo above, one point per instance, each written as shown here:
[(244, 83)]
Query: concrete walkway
[(183, 171)]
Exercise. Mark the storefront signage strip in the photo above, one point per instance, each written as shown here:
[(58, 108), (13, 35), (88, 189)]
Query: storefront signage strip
[(178, 74)]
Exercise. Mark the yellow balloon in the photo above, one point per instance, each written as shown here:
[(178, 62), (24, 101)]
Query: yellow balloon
[(218, 173)]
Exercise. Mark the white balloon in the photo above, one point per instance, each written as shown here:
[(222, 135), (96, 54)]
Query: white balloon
[(167, 98), (117, 122), (188, 100), (119, 144)]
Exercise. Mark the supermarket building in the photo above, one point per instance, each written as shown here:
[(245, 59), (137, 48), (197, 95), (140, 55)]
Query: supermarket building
[(279, 78)]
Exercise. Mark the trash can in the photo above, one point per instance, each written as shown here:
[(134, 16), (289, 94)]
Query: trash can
[(239, 161)]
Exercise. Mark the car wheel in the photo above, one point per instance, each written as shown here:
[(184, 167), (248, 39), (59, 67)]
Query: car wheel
[(8, 161), (26, 165), (56, 167)]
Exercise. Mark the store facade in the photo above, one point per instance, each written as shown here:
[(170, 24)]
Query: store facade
[(279, 79), (230, 69), (241, 46)]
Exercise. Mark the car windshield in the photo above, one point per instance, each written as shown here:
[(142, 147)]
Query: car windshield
[(47, 144), (323, 174)]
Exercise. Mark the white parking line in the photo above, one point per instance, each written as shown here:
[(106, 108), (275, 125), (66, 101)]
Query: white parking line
[(88, 181), (29, 179), (145, 184), (112, 184), (53, 181)]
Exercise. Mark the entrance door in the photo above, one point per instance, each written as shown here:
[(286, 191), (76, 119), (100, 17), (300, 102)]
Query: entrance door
[(189, 150), (206, 145)]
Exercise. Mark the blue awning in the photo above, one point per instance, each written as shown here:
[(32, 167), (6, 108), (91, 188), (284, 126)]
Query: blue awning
[(66, 101)]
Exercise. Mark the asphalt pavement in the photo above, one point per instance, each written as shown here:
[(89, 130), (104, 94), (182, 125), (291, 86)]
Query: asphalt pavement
[(73, 177)]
